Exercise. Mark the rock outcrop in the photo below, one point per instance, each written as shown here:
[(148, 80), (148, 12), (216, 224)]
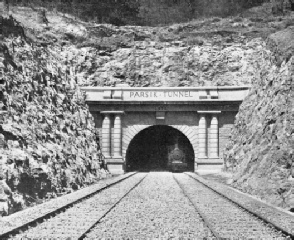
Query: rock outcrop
[(47, 135), (48, 143), (281, 44), (151, 63), (165, 57), (261, 153)]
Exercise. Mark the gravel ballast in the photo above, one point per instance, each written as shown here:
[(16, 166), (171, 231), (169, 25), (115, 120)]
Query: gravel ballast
[(155, 209), (155, 205), (279, 218), (225, 217), (75, 221), (28, 215)]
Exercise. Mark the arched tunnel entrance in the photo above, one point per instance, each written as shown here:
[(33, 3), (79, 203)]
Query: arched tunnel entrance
[(160, 148)]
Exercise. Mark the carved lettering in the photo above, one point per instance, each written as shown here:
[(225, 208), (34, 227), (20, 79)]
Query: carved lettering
[(165, 94)]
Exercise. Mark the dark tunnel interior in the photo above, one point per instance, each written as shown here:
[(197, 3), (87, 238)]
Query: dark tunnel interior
[(156, 147)]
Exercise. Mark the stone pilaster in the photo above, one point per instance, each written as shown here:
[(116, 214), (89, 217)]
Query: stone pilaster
[(117, 136), (202, 136), (213, 138), (106, 136)]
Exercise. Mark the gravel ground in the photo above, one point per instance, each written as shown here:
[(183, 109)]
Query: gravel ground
[(160, 206), (280, 218), (31, 214), (221, 177), (75, 221), (155, 209), (226, 218)]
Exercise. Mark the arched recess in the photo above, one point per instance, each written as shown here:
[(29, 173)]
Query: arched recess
[(191, 134), (132, 131)]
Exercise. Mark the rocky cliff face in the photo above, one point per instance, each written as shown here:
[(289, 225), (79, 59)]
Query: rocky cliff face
[(181, 55), (261, 152), (211, 51), (48, 144), (151, 63), (47, 135)]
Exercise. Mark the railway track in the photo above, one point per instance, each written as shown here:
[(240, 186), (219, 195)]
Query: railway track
[(147, 206), (280, 219), (225, 218), (156, 209), (74, 220)]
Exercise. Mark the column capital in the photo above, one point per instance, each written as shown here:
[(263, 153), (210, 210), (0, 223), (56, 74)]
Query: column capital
[(209, 112), (112, 112)]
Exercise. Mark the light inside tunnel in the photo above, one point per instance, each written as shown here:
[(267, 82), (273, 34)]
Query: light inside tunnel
[(160, 148)]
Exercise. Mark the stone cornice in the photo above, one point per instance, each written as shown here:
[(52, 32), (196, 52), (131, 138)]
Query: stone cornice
[(185, 95)]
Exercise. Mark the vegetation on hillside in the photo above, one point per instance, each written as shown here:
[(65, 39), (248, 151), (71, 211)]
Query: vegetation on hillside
[(146, 12)]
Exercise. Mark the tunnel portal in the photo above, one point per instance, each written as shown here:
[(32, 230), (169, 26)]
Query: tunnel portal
[(142, 127), (160, 148)]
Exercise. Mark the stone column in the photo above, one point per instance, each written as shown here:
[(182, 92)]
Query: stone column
[(213, 138), (106, 136), (202, 136), (117, 139)]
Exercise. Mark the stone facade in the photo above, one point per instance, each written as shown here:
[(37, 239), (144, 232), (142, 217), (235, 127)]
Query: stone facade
[(204, 115)]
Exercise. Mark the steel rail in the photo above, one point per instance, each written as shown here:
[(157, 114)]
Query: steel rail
[(202, 215), (57, 211), (110, 209), (257, 215)]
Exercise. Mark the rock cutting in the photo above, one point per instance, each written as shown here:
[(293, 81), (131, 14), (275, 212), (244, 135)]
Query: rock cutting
[(145, 119)]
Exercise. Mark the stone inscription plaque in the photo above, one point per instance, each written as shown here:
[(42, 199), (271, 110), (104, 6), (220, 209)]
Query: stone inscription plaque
[(168, 94), (155, 95)]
